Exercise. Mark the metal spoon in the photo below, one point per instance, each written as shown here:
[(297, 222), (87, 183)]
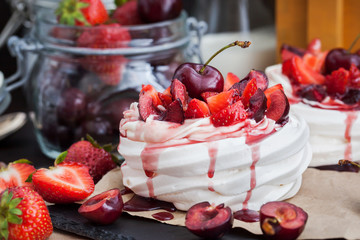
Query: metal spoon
[(11, 122)]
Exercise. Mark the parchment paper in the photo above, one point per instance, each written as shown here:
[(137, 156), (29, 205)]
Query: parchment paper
[(331, 199)]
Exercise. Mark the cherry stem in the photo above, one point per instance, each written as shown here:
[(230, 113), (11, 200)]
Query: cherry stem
[(354, 42), (344, 162), (242, 44)]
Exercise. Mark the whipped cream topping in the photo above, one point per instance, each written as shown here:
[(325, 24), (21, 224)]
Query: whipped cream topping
[(334, 126), (242, 166)]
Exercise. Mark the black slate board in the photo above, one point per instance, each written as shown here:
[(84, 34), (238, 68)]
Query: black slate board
[(66, 218)]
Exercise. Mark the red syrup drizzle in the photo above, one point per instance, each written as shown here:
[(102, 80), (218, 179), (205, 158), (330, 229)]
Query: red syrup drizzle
[(212, 150), (138, 204), (247, 215), (150, 159), (350, 119), (255, 152), (163, 216)]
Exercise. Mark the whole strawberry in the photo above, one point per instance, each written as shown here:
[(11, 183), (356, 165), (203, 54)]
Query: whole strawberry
[(81, 12), (63, 183), (15, 174), (108, 67), (23, 215), (98, 159), (127, 14)]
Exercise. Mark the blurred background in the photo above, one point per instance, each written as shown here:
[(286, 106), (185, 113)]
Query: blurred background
[(222, 16)]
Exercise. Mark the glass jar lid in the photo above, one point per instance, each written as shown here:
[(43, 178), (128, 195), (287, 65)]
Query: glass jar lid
[(144, 38)]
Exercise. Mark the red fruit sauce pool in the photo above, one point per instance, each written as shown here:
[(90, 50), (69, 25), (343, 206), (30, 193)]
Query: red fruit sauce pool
[(163, 216)]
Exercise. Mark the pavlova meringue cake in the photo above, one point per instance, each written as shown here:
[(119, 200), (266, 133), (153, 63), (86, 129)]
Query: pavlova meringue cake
[(185, 151), (327, 99)]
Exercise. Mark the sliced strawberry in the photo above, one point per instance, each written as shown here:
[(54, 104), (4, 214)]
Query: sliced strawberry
[(64, 183), (300, 73), (15, 174), (167, 92), (178, 91), (288, 52), (336, 83), (220, 101), (270, 90), (354, 77), (314, 47), (279, 106), (127, 14), (230, 80), (174, 112), (165, 99), (81, 12), (315, 62), (149, 100), (249, 91), (230, 115), (205, 95), (197, 109)]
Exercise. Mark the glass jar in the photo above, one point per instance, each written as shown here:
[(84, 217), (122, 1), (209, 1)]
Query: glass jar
[(75, 87)]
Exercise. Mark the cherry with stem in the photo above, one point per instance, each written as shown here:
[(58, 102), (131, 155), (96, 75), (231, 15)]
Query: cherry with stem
[(200, 78)]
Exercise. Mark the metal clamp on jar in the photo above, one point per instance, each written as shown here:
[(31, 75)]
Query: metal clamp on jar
[(74, 89)]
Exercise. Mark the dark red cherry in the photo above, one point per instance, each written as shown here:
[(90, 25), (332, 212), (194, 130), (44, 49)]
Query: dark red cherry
[(257, 105), (209, 221), (210, 80), (200, 78), (72, 106), (340, 57), (103, 208), (151, 11), (313, 92), (282, 220), (278, 105)]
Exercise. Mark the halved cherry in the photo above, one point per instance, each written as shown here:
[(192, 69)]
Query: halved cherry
[(209, 221), (103, 208), (178, 91), (257, 105), (278, 105), (262, 80), (174, 112), (149, 100), (282, 220)]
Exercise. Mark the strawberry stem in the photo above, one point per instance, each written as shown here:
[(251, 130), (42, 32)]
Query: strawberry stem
[(69, 11), (354, 42), (60, 158), (242, 44), (344, 162)]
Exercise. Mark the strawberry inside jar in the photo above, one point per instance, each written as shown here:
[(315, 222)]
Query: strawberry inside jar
[(83, 72)]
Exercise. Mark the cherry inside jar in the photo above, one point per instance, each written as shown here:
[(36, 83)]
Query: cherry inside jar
[(75, 87)]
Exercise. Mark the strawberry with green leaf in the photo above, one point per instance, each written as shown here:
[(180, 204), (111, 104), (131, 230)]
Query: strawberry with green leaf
[(81, 12), (23, 215), (15, 174), (97, 158)]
